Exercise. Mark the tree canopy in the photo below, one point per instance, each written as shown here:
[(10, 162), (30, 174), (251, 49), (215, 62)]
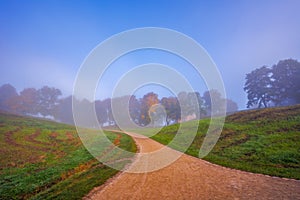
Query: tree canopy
[(278, 85)]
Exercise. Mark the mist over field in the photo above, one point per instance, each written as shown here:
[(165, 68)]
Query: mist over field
[(155, 99), (44, 43)]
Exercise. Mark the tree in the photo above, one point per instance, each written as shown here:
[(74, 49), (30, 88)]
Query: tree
[(47, 100), (7, 93), (214, 98), (191, 105), (134, 109), (157, 114), (231, 106), (258, 86), (286, 82), (63, 110), (184, 105), (121, 111), (101, 112), (26, 102), (197, 104), (147, 101), (172, 108)]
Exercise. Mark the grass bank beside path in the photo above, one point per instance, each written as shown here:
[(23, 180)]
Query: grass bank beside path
[(263, 141)]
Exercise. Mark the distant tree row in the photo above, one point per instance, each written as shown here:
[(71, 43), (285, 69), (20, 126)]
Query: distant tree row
[(275, 86), (47, 102), (30, 100), (164, 111)]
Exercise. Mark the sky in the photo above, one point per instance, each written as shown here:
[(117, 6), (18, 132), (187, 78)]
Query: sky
[(45, 42)]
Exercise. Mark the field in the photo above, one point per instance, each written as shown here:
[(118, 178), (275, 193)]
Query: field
[(41, 159), (263, 141)]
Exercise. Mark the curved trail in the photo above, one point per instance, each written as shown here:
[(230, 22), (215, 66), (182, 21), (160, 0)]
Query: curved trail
[(192, 178)]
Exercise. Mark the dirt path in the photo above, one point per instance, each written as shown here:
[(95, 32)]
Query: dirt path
[(192, 178)]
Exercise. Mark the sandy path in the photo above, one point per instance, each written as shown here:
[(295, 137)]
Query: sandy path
[(193, 178)]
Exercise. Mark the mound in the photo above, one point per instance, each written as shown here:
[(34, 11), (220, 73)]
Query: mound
[(267, 114)]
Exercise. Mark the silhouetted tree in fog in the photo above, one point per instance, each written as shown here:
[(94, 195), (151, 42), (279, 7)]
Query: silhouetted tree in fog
[(214, 98), (231, 106), (134, 109), (101, 112), (63, 110), (26, 102), (279, 85), (7, 94), (47, 100), (191, 104), (286, 82), (258, 86), (172, 108)]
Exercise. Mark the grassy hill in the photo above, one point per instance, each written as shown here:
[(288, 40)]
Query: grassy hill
[(41, 159), (262, 141)]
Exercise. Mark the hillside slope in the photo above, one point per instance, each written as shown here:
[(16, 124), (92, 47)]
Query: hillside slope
[(262, 141), (41, 159)]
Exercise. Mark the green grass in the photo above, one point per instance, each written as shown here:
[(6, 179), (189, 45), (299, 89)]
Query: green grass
[(42, 159), (263, 141)]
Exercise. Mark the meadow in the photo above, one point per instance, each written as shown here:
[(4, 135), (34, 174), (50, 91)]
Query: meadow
[(41, 159)]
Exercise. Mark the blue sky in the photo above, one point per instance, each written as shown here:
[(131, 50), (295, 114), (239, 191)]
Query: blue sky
[(45, 42)]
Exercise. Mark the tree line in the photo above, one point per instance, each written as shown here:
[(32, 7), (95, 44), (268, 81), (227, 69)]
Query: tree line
[(278, 85), (48, 102)]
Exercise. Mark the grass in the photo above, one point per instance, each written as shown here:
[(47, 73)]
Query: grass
[(263, 141), (42, 159)]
